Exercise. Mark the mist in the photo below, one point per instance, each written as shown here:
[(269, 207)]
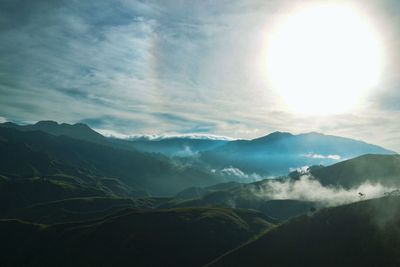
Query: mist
[(307, 188), (241, 175)]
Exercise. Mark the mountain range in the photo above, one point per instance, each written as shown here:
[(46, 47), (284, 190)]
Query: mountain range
[(72, 197), (272, 155), (279, 152), (105, 168)]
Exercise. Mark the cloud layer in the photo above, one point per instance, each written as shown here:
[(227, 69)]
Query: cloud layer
[(309, 189), (168, 67)]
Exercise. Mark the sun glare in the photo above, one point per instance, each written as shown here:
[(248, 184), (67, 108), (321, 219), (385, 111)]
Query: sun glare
[(322, 59)]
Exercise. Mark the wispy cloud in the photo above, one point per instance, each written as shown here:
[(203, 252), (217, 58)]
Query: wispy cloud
[(174, 67), (319, 156), (239, 174), (188, 136)]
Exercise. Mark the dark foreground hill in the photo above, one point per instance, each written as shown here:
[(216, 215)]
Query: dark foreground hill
[(81, 209), (366, 233), (177, 237)]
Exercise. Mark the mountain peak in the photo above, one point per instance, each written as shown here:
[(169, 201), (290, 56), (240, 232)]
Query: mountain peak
[(47, 123), (82, 126), (273, 136), (78, 131), (280, 134), (8, 124), (314, 134)]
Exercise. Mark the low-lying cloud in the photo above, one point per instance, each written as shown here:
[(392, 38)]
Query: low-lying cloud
[(156, 137), (319, 156), (307, 188), (242, 176)]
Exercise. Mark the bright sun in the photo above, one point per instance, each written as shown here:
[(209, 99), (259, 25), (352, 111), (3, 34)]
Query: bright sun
[(323, 59)]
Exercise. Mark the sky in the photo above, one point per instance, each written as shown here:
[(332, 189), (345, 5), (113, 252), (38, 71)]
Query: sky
[(128, 67)]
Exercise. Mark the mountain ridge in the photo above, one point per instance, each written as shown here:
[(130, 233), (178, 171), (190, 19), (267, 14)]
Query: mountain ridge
[(274, 154), (79, 131), (73, 130)]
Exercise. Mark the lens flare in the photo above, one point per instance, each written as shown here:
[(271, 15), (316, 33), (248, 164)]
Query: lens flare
[(323, 59)]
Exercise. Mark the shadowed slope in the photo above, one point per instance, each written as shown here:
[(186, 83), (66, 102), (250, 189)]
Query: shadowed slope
[(373, 168), (366, 233), (37, 154), (178, 237)]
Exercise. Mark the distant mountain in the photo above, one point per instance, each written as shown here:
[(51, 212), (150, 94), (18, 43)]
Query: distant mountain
[(176, 146), (279, 152), (184, 146), (177, 237), (365, 233), (64, 160), (271, 155), (78, 131)]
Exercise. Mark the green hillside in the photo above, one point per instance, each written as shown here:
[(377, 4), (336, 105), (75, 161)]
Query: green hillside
[(384, 169), (365, 233), (19, 193), (177, 237), (115, 170), (276, 209), (66, 201), (81, 209)]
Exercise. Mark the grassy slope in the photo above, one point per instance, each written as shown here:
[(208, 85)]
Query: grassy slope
[(81, 209), (374, 168), (366, 233), (246, 196), (19, 193), (177, 237), (36, 154), (384, 169)]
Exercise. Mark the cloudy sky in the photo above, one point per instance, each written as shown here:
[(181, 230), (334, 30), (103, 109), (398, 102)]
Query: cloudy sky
[(173, 67)]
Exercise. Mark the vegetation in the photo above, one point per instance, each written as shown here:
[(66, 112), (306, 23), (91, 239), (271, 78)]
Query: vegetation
[(37, 154), (177, 237), (71, 197), (81, 209), (384, 169), (365, 233)]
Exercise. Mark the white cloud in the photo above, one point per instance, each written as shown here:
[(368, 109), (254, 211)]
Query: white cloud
[(170, 136), (111, 133), (319, 156), (309, 189), (303, 169), (130, 59), (231, 171)]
